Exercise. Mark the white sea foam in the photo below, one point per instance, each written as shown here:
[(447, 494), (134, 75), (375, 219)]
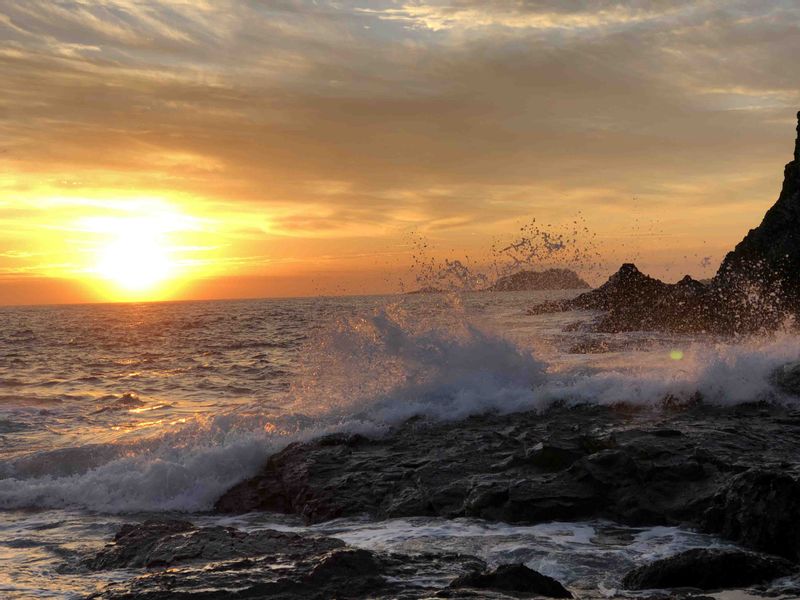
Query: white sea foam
[(366, 374), (393, 364), (595, 554), (721, 373)]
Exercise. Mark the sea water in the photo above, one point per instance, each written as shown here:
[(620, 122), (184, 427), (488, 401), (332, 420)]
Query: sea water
[(113, 413)]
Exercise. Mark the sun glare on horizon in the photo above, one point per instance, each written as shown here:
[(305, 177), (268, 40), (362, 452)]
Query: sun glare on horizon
[(138, 254), (136, 262)]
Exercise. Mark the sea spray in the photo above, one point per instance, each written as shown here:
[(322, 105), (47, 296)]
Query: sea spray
[(364, 366), (570, 245), (715, 372), (397, 363)]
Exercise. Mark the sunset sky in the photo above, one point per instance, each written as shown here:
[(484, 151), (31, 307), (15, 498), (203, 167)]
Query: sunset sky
[(249, 149)]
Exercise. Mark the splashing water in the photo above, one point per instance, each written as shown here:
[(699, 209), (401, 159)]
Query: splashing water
[(201, 393), (203, 420), (535, 247), (394, 364), (573, 247)]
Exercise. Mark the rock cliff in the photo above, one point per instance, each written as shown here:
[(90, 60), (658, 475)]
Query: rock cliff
[(756, 288)]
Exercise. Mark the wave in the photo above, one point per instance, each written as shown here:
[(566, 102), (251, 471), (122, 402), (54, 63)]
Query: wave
[(393, 364), (722, 373), (367, 374)]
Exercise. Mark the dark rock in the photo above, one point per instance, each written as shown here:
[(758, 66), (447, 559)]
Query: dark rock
[(628, 286), (347, 563), (683, 466), (632, 300), (166, 543), (757, 287), (761, 509), (514, 578), (766, 262), (550, 279), (551, 457), (133, 543), (267, 564), (707, 570)]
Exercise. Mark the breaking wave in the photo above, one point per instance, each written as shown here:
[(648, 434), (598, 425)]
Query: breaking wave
[(365, 374)]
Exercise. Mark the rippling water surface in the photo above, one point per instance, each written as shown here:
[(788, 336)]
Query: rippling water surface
[(111, 412)]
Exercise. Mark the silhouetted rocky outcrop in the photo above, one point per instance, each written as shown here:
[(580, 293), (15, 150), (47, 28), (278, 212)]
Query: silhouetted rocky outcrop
[(756, 288), (550, 279), (632, 300), (767, 260)]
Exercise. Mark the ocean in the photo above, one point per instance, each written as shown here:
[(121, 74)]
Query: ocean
[(113, 413)]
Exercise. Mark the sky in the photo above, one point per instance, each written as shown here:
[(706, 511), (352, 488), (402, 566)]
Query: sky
[(181, 149)]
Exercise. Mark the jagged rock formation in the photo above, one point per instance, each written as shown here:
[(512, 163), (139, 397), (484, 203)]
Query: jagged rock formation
[(756, 288), (768, 258), (717, 469), (550, 279), (632, 300)]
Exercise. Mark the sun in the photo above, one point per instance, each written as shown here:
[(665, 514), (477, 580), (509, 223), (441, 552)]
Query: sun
[(139, 250), (136, 261)]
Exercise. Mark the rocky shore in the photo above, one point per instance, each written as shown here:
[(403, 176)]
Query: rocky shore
[(734, 472), (184, 561)]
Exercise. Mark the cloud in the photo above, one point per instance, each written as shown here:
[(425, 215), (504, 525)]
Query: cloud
[(536, 15), (361, 120)]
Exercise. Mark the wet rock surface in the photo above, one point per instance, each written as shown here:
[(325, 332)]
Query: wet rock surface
[(514, 578), (228, 563), (160, 543), (759, 508), (696, 466), (733, 471), (708, 569), (278, 565)]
